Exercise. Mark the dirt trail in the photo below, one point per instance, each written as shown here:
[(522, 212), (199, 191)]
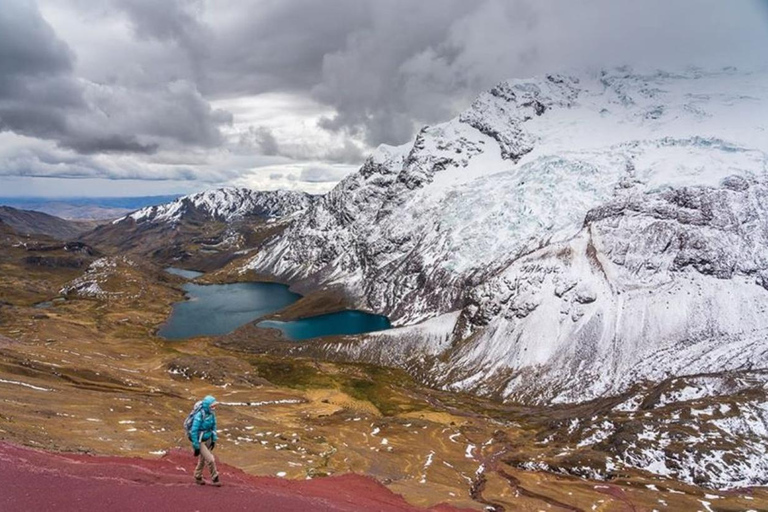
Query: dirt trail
[(38, 480)]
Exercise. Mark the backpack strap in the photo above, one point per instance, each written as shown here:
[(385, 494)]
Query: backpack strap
[(202, 418)]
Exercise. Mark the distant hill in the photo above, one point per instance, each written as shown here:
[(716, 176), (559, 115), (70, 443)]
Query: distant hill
[(86, 208), (26, 222), (5, 229)]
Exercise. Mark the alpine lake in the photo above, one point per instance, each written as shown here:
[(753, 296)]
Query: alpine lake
[(216, 309)]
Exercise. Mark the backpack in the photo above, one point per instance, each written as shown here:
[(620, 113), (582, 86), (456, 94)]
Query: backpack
[(191, 418)]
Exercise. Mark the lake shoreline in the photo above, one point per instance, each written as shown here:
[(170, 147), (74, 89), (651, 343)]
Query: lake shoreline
[(296, 317)]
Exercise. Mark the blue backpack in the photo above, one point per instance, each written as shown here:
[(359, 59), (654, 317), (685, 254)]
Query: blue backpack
[(191, 418)]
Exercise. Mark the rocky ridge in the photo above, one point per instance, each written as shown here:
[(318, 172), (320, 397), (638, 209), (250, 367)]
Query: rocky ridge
[(225, 205), (202, 231)]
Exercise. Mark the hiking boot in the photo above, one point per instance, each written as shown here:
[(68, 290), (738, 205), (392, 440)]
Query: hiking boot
[(199, 481), (216, 482)]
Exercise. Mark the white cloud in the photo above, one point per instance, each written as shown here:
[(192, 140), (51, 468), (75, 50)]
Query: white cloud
[(306, 177), (284, 124)]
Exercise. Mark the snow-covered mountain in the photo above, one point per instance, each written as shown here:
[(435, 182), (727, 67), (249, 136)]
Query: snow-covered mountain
[(225, 205), (204, 230), (562, 239)]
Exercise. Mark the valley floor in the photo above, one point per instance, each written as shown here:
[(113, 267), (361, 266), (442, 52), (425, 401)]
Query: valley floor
[(89, 376)]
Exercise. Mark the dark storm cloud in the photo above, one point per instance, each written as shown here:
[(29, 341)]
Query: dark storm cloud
[(112, 144), (346, 54), (34, 158), (262, 139), (175, 20), (365, 82), (278, 45), (37, 90), (40, 96), (28, 45)]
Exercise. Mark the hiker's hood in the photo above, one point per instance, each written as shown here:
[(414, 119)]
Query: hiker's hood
[(207, 402)]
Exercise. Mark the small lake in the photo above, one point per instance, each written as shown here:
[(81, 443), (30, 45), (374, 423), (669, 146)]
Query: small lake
[(217, 309), (186, 274), (221, 308), (343, 322)]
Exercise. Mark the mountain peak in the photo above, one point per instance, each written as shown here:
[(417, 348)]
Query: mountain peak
[(225, 205)]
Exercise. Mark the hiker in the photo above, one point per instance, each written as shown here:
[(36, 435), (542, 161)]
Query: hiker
[(203, 435)]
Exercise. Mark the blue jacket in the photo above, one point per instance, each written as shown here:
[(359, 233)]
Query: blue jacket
[(204, 424)]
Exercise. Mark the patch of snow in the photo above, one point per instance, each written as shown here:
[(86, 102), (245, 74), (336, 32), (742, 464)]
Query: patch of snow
[(265, 402), (600, 433), (24, 384)]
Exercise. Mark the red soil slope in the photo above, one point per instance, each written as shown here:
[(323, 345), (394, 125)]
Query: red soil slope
[(32, 480)]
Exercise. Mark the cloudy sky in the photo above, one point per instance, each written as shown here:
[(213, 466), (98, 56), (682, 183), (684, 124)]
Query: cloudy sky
[(141, 97)]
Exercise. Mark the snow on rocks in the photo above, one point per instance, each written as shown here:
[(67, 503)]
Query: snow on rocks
[(562, 239), (91, 283), (225, 204), (427, 463), (600, 433), (697, 388), (24, 384), (641, 293), (284, 401), (714, 441)]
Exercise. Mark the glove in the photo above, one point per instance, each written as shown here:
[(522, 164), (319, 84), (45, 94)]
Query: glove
[(213, 445), (197, 452)]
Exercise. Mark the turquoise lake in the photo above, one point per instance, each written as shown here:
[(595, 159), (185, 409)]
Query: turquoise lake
[(343, 322), (213, 310), (221, 308)]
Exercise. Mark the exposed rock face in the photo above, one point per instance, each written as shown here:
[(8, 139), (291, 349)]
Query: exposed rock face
[(562, 239)]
